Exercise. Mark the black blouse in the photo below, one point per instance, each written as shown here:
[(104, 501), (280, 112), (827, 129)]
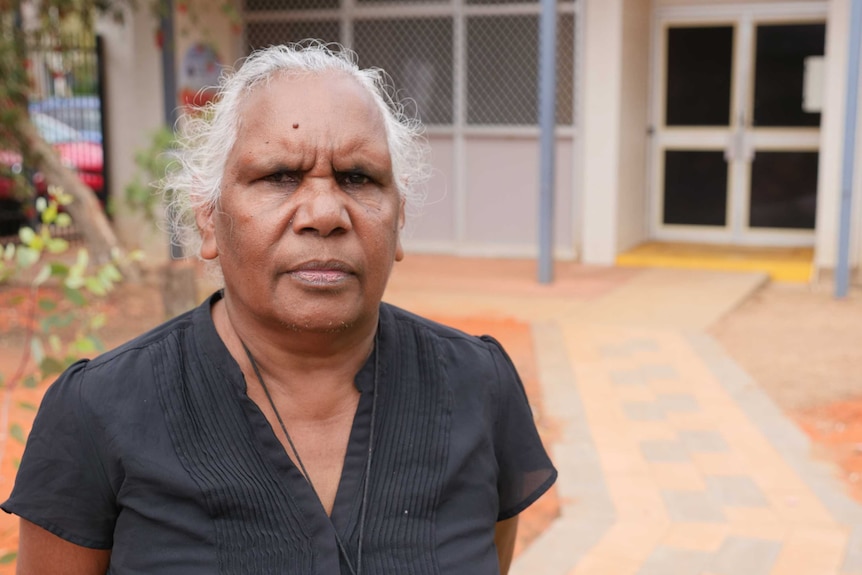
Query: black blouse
[(155, 451)]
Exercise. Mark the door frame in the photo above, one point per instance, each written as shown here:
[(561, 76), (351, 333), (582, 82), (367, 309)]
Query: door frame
[(743, 17)]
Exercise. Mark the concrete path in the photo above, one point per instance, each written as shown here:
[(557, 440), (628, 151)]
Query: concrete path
[(671, 459)]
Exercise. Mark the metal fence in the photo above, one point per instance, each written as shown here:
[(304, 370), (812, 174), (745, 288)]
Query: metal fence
[(471, 63)]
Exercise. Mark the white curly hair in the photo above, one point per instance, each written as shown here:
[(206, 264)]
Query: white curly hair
[(206, 135)]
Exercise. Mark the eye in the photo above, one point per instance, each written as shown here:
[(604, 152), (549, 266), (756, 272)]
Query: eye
[(354, 179), (283, 177)]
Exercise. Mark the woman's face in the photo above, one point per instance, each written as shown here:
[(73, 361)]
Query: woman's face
[(307, 227)]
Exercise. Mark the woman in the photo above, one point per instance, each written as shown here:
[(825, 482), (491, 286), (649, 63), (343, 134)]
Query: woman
[(293, 423)]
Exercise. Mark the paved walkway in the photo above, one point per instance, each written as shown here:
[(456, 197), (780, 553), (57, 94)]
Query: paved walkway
[(671, 459)]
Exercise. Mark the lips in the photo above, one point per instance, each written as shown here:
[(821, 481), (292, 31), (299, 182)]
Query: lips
[(321, 273)]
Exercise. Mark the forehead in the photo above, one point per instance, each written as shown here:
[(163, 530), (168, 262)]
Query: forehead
[(330, 104)]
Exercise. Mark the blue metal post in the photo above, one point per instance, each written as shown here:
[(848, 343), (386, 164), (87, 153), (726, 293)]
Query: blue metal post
[(547, 124), (842, 269), (169, 85)]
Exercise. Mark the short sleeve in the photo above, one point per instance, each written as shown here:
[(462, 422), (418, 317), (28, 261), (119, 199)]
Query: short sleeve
[(525, 470), (61, 484)]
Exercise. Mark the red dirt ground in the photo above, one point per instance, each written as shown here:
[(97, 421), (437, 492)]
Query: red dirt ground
[(836, 430)]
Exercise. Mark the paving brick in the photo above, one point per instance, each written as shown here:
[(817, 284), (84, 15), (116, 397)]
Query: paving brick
[(627, 377), (677, 403), (811, 550), (696, 536), (659, 371), (643, 411), (664, 450), (692, 506), (704, 441), (684, 476), (736, 490), (673, 561), (745, 555), (613, 564), (852, 562), (758, 522)]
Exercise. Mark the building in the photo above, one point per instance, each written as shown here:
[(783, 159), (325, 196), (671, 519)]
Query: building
[(702, 121)]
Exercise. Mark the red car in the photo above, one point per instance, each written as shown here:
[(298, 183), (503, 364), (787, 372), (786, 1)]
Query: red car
[(84, 157)]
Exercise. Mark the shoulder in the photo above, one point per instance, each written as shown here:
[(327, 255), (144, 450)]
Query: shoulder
[(124, 372), (413, 322), (471, 355)]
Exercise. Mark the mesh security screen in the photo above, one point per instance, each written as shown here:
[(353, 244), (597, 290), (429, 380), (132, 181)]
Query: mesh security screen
[(480, 57), (417, 53), (263, 34)]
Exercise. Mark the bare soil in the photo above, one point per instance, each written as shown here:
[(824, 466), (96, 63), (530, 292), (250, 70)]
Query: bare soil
[(804, 347)]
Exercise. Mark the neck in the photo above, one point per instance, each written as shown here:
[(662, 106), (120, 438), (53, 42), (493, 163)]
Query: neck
[(297, 363)]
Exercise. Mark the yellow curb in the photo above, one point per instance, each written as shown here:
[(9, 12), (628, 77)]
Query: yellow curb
[(781, 264)]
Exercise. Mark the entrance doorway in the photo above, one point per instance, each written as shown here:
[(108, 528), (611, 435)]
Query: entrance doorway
[(735, 148)]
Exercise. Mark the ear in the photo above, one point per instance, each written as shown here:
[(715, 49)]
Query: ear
[(399, 249), (205, 219)]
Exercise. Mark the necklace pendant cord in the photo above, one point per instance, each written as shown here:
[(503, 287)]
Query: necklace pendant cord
[(365, 487)]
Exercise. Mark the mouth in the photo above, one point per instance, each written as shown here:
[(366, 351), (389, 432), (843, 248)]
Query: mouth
[(321, 273)]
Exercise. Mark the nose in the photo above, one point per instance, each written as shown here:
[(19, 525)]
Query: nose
[(320, 208)]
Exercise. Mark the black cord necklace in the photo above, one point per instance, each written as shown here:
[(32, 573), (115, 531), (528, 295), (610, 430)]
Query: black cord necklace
[(364, 505)]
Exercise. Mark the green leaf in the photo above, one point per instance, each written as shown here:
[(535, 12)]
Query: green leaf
[(27, 235), (42, 276), (74, 282), (74, 295), (30, 382), (95, 286), (27, 405), (98, 321), (36, 243), (37, 350), (111, 272), (47, 304), (51, 366), (83, 258), (49, 215), (57, 245), (16, 432), (85, 345), (55, 344), (9, 557), (27, 256), (97, 343), (64, 220)]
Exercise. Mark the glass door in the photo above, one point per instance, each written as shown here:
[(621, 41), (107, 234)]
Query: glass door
[(736, 129)]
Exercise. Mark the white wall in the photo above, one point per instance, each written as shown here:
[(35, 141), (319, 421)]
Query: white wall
[(502, 207), (615, 112), (662, 3), (602, 84), (133, 90), (633, 217), (434, 226), (484, 200)]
